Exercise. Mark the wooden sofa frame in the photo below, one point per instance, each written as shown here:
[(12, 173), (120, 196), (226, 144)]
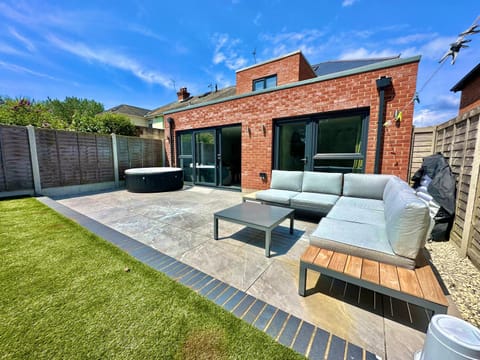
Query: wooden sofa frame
[(419, 286)]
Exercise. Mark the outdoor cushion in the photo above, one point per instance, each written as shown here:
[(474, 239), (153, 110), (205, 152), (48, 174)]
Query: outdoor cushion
[(276, 196), (362, 240), (319, 182), (287, 180), (407, 221), (321, 203), (360, 203), (355, 214), (394, 185), (365, 185)]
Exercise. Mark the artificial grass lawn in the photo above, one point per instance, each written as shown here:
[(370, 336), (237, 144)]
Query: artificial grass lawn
[(65, 294)]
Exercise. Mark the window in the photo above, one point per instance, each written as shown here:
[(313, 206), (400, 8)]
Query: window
[(333, 142), (265, 83)]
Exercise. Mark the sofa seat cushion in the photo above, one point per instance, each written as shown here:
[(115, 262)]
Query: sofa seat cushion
[(371, 204), (321, 203), (276, 196), (357, 239), (356, 214)]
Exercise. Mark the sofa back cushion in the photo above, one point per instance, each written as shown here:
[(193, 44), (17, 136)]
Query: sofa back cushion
[(286, 180), (369, 186), (394, 185), (320, 182), (407, 222)]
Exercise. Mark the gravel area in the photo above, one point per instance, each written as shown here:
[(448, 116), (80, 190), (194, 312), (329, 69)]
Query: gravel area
[(461, 278)]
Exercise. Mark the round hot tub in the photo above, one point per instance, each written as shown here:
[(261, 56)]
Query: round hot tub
[(153, 179)]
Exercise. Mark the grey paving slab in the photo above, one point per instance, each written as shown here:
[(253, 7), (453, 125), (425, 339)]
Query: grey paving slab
[(180, 224), (303, 338)]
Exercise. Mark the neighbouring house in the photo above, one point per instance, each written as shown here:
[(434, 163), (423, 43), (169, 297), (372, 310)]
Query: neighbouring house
[(469, 85), (146, 128), (286, 114), (134, 113)]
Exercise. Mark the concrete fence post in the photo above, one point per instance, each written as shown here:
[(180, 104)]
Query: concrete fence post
[(37, 184), (115, 160)]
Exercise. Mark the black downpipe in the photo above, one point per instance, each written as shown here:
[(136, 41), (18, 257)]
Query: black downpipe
[(171, 125), (382, 84)]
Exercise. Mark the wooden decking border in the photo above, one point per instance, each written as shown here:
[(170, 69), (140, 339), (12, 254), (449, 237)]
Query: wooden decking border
[(419, 286)]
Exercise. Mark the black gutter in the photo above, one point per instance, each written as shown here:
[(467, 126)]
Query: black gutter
[(171, 125), (382, 83)]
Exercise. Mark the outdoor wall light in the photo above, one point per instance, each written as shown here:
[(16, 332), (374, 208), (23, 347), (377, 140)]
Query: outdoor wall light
[(263, 176), (249, 132), (264, 130)]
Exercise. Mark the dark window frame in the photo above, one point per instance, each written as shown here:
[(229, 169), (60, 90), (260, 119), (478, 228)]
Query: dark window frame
[(264, 81)]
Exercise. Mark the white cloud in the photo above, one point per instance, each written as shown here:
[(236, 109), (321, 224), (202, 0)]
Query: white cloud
[(430, 117), (226, 52), (7, 49), (21, 69), (362, 53), (256, 21), (309, 41), (413, 38), (27, 43), (111, 58), (346, 3)]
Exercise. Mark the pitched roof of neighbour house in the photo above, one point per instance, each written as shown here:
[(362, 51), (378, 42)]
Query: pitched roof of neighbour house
[(128, 110), (330, 67), (194, 100), (475, 72), (324, 71)]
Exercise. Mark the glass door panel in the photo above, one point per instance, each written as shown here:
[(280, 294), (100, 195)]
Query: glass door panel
[(230, 155), (291, 146), (185, 156), (205, 157)]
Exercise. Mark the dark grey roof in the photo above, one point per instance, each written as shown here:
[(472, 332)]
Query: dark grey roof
[(194, 100), (128, 110), (330, 67), (466, 79)]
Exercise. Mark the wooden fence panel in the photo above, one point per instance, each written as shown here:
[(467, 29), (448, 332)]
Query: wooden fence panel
[(15, 164), (87, 154), (48, 160), (457, 140), (105, 158), (68, 153)]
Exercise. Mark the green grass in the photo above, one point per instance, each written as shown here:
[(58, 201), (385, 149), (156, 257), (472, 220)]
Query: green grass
[(65, 294)]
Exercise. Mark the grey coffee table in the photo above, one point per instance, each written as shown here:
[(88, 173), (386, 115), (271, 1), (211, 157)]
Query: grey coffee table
[(258, 216)]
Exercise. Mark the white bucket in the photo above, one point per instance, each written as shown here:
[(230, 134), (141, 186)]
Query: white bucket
[(450, 338)]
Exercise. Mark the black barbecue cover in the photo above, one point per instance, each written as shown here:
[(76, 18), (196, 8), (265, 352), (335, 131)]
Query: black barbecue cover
[(442, 187)]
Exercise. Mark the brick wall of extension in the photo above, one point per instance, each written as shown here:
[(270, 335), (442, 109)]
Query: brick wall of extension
[(343, 93), (470, 98)]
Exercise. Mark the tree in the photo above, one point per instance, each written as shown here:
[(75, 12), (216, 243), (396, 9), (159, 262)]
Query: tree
[(116, 124), (73, 108), (22, 111)]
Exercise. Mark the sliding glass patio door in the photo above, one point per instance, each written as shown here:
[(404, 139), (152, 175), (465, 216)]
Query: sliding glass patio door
[(324, 142)]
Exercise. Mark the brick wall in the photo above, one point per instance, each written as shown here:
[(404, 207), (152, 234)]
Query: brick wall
[(350, 92), (288, 69), (470, 98)]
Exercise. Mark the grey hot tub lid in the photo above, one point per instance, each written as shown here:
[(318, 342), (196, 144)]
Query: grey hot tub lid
[(151, 170)]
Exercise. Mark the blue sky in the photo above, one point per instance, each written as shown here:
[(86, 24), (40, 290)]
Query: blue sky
[(141, 52)]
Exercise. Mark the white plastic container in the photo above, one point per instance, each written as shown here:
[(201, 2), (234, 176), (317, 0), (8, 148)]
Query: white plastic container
[(450, 338)]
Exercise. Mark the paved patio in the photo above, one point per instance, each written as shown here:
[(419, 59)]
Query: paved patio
[(180, 224)]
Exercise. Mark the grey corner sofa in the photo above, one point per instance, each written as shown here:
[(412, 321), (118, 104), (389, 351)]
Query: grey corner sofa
[(378, 217)]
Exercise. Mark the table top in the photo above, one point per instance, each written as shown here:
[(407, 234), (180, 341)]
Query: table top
[(254, 213)]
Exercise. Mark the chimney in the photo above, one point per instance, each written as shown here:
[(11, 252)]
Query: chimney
[(183, 94)]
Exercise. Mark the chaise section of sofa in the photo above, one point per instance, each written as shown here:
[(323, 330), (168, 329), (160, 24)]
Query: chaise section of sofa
[(390, 226)]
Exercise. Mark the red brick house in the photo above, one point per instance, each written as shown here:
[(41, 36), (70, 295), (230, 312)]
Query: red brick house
[(286, 114), (469, 85)]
